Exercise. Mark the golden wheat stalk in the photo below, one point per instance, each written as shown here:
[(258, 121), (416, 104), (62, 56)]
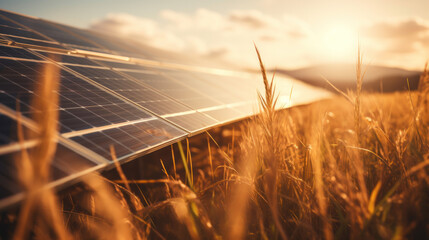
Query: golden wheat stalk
[(34, 169)]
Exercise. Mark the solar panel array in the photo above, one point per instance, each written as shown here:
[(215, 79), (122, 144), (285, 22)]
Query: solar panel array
[(113, 92)]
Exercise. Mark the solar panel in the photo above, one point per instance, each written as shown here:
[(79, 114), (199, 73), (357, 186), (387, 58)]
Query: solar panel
[(52, 31), (130, 139), (7, 135), (66, 163), (79, 100), (183, 91), (13, 52), (172, 88), (9, 28), (114, 44), (83, 107), (20, 34), (168, 108)]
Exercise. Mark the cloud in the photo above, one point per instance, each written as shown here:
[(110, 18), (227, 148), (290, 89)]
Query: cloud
[(252, 19), (141, 29), (205, 32), (202, 19), (410, 28), (218, 52), (286, 26), (399, 37), (237, 22), (179, 20)]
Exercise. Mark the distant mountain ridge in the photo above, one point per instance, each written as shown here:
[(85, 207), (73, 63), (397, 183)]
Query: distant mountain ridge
[(343, 76)]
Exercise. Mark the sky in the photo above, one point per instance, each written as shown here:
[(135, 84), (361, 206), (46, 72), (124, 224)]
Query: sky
[(289, 34)]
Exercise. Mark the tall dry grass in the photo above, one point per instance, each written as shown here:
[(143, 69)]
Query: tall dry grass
[(351, 167), (40, 209), (41, 215)]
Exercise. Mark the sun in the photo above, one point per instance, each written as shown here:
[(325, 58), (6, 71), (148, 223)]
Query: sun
[(339, 42)]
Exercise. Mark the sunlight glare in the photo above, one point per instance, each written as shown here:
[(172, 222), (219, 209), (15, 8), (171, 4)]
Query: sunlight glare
[(339, 42)]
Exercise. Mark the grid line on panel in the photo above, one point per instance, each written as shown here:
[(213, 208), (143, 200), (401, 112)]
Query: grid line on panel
[(29, 124), (69, 107), (215, 103), (21, 84), (183, 125), (190, 94), (46, 29), (59, 26), (193, 119), (20, 28), (72, 108), (121, 96), (27, 37), (211, 92), (135, 99), (107, 127), (123, 72), (91, 137)]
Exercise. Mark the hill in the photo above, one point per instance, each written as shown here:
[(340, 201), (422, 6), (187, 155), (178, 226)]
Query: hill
[(377, 78)]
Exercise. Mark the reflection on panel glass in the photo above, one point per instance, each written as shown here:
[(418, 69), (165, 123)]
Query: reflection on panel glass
[(134, 91), (65, 163), (13, 52), (129, 139), (52, 31), (224, 114), (174, 89), (150, 91), (204, 86), (9, 28), (82, 105)]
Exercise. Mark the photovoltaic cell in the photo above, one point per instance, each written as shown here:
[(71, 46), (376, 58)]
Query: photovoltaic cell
[(145, 97), (200, 94), (130, 139), (129, 89), (7, 23), (19, 32), (173, 88), (52, 31), (22, 35), (206, 85), (11, 29), (12, 52), (80, 102), (65, 163), (117, 45), (230, 83), (7, 133)]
